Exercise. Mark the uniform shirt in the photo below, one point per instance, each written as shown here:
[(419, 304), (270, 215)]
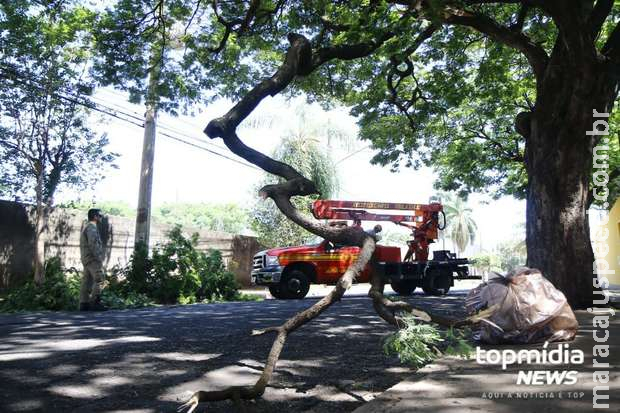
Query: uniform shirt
[(91, 248), (375, 235)]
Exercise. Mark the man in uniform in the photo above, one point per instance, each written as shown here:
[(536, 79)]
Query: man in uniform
[(375, 232), (92, 254)]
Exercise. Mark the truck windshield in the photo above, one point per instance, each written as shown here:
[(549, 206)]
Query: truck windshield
[(314, 241)]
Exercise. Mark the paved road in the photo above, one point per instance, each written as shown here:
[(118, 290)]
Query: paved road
[(147, 360)]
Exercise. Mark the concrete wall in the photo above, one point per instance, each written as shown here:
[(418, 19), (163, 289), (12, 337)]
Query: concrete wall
[(62, 238)]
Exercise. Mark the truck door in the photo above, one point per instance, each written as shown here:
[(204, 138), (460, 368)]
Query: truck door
[(335, 261)]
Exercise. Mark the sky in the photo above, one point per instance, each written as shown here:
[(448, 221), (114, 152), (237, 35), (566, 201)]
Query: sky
[(184, 173)]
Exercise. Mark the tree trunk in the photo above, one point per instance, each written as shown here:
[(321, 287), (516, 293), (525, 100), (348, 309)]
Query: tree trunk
[(39, 244), (558, 233), (559, 166)]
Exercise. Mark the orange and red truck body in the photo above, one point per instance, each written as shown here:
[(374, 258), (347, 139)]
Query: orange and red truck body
[(288, 272), (326, 264)]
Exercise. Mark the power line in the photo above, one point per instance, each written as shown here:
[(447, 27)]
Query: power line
[(352, 154), (188, 143), (160, 125), (209, 150), (133, 119)]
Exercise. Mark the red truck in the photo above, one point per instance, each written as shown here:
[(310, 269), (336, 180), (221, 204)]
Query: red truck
[(289, 271)]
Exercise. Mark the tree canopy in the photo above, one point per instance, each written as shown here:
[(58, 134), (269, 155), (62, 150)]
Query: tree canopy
[(273, 228), (45, 139), (497, 96)]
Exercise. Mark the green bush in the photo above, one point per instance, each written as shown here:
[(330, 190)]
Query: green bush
[(129, 299), (216, 283), (418, 344), (178, 272), (59, 291)]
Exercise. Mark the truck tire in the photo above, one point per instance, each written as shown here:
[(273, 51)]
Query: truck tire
[(437, 282), (403, 287), (294, 284), (274, 290)]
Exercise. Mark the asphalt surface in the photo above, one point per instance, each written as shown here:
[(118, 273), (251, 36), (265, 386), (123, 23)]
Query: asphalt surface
[(150, 360)]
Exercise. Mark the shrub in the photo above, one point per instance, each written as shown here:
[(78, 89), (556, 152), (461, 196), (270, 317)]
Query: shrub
[(178, 272), (216, 282), (418, 344), (121, 300), (59, 291)]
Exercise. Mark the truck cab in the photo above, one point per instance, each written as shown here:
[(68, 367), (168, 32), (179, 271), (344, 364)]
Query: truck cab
[(289, 271)]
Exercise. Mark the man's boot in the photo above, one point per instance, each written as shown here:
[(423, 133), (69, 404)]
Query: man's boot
[(84, 306), (97, 306)]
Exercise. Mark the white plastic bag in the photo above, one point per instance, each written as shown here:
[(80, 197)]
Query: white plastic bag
[(527, 308)]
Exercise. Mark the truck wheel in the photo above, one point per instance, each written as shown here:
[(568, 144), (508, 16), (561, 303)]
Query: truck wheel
[(403, 287), (437, 282), (275, 291), (294, 284)]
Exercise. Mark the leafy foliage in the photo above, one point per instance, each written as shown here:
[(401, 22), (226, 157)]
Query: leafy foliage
[(59, 291), (272, 227), (117, 300), (512, 254), (177, 272), (187, 47), (418, 344), (507, 256), (486, 262), (228, 217), (415, 344), (45, 142), (114, 208), (460, 225)]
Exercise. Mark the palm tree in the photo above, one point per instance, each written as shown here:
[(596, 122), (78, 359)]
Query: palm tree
[(461, 227)]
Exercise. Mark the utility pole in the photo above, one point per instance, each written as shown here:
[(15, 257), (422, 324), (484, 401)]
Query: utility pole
[(143, 217)]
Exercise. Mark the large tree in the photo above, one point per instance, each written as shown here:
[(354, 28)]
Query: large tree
[(497, 95), (45, 140), (168, 54), (567, 53)]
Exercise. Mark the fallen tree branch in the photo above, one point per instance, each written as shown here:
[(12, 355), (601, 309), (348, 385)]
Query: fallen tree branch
[(292, 324), (299, 61), (390, 310)]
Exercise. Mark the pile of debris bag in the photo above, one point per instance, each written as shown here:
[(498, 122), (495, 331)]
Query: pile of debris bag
[(520, 308)]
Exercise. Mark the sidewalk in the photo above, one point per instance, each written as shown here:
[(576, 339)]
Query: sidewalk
[(453, 385)]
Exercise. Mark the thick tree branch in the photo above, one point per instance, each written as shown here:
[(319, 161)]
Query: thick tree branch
[(299, 60), (395, 62), (387, 309), (348, 51), (611, 49), (601, 10), (536, 55), (296, 62), (251, 392)]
